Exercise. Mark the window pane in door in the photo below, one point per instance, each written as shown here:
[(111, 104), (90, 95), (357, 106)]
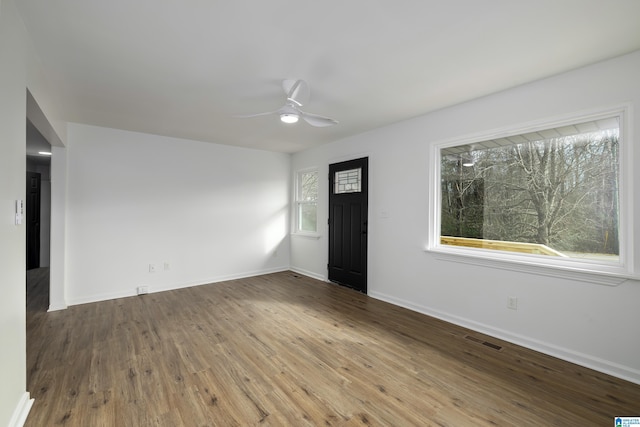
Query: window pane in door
[(348, 181)]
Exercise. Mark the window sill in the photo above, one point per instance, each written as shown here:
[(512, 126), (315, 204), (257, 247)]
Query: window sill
[(601, 274), (314, 236)]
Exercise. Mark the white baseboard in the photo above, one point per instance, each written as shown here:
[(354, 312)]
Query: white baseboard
[(101, 297), (57, 307), (605, 366), (172, 287), (308, 274), (224, 278), (22, 411)]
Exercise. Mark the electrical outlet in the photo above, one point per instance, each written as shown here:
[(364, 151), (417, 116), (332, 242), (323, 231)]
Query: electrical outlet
[(143, 290), (512, 303), (167, 266), (152, 268)]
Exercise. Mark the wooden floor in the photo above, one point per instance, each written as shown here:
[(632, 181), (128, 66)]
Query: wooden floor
[(286, 350)]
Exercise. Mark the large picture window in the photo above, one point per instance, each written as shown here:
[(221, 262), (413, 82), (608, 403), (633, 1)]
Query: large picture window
[(307, 201), (553, 192)]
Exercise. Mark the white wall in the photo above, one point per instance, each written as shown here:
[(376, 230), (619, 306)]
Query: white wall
[(12, 237), (593, 325), (45, 217), (212, 212), (58, 227), (18, 70)]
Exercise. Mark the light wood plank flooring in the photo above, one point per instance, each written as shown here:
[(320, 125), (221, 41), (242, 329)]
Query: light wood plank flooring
[(287, 350)]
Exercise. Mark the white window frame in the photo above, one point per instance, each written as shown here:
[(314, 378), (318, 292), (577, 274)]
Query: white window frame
[(298, 203), (571, 268)]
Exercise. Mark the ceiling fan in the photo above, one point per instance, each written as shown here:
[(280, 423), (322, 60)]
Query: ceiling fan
[(298, 94)]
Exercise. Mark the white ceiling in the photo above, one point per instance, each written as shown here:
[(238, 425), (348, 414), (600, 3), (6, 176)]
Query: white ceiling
[(185, 68)]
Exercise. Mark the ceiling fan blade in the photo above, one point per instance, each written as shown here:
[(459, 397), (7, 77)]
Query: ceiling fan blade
[(297, 91), (246, 116), (318, 121)]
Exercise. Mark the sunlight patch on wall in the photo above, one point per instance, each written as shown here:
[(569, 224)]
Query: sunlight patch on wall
[(275, 231)]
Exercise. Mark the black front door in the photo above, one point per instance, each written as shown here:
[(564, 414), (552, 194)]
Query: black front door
[(348, 190), (33, 220)]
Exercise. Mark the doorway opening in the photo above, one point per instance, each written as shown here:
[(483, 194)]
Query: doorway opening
[(37, 219)]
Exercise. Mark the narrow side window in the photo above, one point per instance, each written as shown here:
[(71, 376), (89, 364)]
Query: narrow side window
[(307, 201)]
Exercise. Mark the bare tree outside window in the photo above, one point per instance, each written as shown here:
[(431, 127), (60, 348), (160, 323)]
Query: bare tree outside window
[(555, 190), (307, 201)]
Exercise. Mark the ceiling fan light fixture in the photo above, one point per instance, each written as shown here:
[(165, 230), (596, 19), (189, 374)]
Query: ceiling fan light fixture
[(297, 92), (289, 118)]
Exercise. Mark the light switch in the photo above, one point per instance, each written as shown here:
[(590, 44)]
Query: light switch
[(19, 211)]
